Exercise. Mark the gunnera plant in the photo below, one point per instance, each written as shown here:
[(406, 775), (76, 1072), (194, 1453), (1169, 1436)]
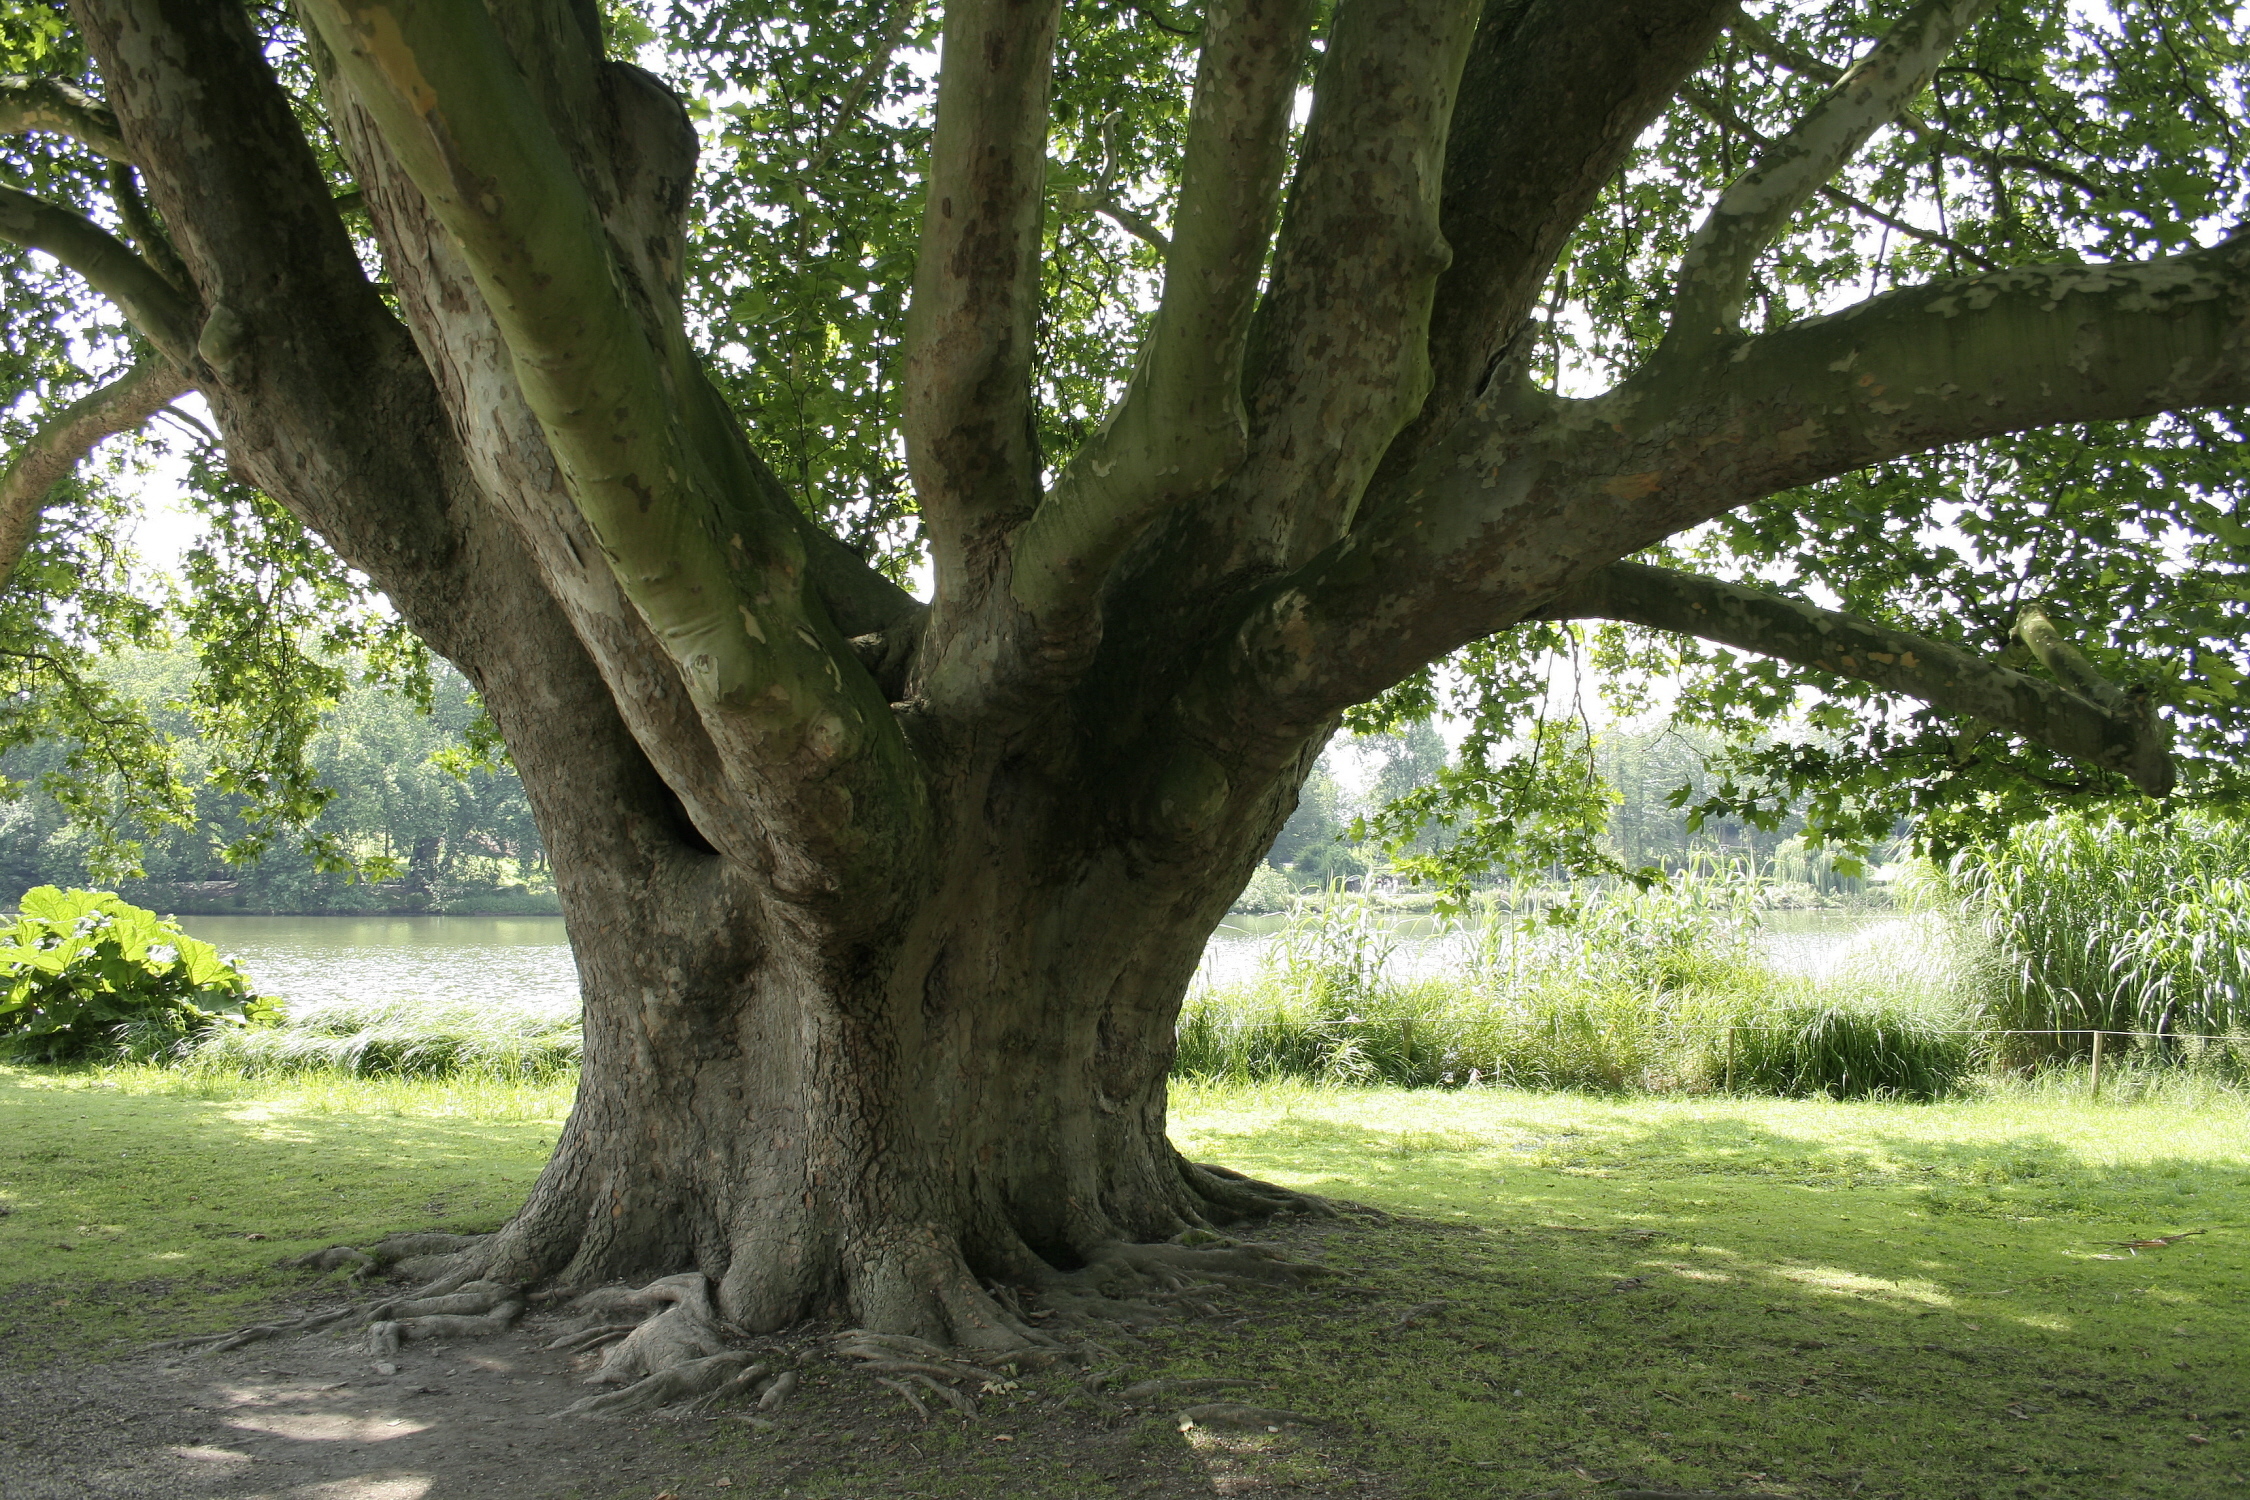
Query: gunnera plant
[(88, 975)]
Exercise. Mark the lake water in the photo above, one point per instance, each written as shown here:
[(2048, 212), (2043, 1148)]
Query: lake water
[(527, 959)]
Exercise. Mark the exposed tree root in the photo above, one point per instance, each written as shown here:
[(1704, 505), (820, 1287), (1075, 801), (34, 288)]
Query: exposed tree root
[(683, 1329), (754, 1381), (590, 1338), (911, 1399), (682, 1382), (386, 1336), (1124, 1283), (1236, 1197), (908, 1365), (1240, 1418), (466, 1309)]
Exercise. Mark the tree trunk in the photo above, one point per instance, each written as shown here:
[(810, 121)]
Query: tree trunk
[(875, 1126)]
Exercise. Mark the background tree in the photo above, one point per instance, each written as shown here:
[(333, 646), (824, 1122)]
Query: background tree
[(883, 907), (425, 823)]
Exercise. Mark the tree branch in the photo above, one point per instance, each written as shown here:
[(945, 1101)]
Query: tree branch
[(2102, 727), (51, 104), (149, 237), (162, 314), (968, 346), (1552, 99), (1757, 207), (854, 98), (1718, 114), (64, 440), (1531, 494), (1339, 356), (1102, 197), (451, 101), (1179, 429), (1766, 45)]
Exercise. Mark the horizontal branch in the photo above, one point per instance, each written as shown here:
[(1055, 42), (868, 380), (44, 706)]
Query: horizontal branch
[(51, 104), (2115, 732), (62, 442), (158, 309), (1532, 493), (1758, 206)]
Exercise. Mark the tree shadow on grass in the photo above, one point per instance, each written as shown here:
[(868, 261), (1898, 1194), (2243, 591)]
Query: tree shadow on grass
[(1712, 1303)]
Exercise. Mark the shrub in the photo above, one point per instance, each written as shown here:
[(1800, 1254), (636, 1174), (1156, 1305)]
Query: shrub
[(1269, 891), (89, 975)]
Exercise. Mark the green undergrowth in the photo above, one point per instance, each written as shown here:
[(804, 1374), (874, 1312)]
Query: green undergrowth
[(1793, 1297)]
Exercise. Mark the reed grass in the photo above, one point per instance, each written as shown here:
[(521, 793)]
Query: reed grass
[(400, 1039), (2133, 927), (1621, 991)]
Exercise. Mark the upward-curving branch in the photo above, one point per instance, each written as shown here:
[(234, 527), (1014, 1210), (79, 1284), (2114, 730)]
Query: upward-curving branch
[(1757, 207), (1179, 428), (451, 101), (63, 441), (969, 331)]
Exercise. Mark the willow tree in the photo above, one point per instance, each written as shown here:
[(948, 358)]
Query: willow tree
[(884, 905)]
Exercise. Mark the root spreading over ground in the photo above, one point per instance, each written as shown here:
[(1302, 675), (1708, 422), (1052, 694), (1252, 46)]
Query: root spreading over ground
[(664, 1347)]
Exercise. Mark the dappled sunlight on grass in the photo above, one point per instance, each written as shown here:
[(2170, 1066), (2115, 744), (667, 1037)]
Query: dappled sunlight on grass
[(166, 1207), (1902, 1299)]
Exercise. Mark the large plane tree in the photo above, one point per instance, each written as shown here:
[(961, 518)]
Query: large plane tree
[(1227, 369)]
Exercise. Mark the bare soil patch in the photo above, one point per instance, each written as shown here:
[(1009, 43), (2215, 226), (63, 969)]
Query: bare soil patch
[(319, 1417)]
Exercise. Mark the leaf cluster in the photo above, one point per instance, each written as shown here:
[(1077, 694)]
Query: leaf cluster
[(87, 973)]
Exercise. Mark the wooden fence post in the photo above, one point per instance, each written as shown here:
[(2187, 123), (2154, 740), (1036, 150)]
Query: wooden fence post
[(2095, 1092)]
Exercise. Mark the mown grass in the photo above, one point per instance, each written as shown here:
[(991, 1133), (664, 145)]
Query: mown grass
[(1799, 1297), (145, 1201), (1796, 1297)]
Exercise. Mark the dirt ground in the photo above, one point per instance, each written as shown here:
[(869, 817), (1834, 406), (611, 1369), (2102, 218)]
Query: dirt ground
[(319, 1418)]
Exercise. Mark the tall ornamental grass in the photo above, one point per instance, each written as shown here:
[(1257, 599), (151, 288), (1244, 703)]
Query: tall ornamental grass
[(2140, 929), (399, 1039), (1627, 990)]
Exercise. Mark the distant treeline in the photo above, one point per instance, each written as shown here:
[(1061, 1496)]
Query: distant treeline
[(462, 844), (465, 843)]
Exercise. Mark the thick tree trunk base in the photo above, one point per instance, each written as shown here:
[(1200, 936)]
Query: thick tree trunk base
[(666, 1344)]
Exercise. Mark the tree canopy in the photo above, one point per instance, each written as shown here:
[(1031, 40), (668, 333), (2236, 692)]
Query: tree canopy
[(2045, 135)]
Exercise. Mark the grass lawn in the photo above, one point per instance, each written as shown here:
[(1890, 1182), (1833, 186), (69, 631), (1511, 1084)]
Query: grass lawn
[(141, 1204), (1797, 1298)]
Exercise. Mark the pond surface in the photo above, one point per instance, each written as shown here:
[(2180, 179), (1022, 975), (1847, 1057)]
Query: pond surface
[(451, 959), (527, 959)]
